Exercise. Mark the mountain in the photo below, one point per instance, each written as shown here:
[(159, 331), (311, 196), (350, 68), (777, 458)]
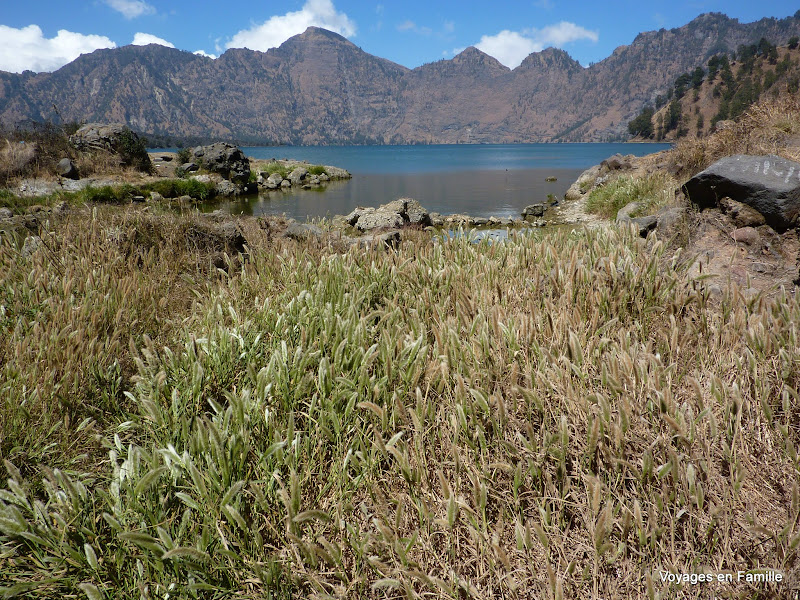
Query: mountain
[(320, 88)]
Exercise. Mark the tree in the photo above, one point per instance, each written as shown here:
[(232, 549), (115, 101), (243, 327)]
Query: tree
[(642, 125), (673, 118), (793, 42), (697, 77)]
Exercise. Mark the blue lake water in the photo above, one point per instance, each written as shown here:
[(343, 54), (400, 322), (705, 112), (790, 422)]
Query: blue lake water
[(479, 180)]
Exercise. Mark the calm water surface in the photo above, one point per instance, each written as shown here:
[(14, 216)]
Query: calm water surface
[(480, 180)]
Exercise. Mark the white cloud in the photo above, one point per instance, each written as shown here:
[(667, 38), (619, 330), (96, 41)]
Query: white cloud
[(511, 47), (131, 9), (279, 28), (409, 25), (142, 39), (204, 53), (27, 48)]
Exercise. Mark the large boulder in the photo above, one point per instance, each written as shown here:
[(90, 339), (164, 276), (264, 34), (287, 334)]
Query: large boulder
[(405, 211), (769, 184), (115, 138), (225, 159)]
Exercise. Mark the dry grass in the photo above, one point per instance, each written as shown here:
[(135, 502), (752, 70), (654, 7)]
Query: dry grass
[(102, 282), (769, 127), (550, 417)]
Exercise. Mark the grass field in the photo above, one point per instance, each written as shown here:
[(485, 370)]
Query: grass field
[(555, 416)]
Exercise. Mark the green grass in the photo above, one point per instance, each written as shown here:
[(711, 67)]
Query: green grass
[(652, 192), (555, 416), (175, 188)]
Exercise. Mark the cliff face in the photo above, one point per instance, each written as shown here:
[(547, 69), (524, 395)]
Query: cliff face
[(319, 88)]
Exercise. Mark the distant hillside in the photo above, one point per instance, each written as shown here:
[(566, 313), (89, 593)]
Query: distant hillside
[(721, 90), (319, 88)]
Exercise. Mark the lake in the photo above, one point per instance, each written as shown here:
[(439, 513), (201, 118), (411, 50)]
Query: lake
[(479, 180)]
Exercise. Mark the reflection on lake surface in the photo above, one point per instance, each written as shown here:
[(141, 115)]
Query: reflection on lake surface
[(479, 180), (479, 194)]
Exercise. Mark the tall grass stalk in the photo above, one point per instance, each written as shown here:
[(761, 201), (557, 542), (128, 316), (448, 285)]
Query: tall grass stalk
[(556, 416)]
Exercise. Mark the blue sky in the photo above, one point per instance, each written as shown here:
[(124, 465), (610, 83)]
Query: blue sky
[(46, 34)]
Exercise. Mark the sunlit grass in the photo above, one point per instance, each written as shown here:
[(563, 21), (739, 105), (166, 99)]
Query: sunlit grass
[(552, 416)]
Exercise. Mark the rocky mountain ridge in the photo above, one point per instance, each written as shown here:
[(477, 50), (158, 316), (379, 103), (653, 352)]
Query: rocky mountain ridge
[(320, 88)]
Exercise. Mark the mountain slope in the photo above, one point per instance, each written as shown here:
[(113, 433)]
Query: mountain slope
[(319, 88)]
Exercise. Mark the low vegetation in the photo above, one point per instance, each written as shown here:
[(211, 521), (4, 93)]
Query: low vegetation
[(555, 416), (651, 191)]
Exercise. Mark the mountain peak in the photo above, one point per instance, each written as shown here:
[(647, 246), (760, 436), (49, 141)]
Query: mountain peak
[(474, 56), (550, 58)]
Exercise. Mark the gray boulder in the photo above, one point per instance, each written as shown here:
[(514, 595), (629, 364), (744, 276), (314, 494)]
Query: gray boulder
[(372, 218), (227, 188), (533, 210), (115, 138), (404, 211), (224, 159), (67, 169), (617, 163), (644, 224), (6, 214), (768, 184), (273, 181), (298, 175), (302, 231)]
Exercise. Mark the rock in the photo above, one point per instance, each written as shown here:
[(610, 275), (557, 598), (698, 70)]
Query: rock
[(216, 237), (551, 179), (115, 138), (742, 215), (533, 210), (644, 224), (227, 188), (389, 239), (224, 159), (671, 221), (6, 214), (371, 218), (286, 183), (337, 173), (298, 175), (166, 157), (481, 221), (415, 213), (404, 211), (746, 235), (302, 231), (156, 197), (769, 184), (583, 184), (31, 245), (67, 169), (61, 209), (206, 178), (189, 167), (324, 177), (617, 163)]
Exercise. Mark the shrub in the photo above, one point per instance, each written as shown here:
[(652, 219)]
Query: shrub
[(111, 194), (133, 151), (173, 188)]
